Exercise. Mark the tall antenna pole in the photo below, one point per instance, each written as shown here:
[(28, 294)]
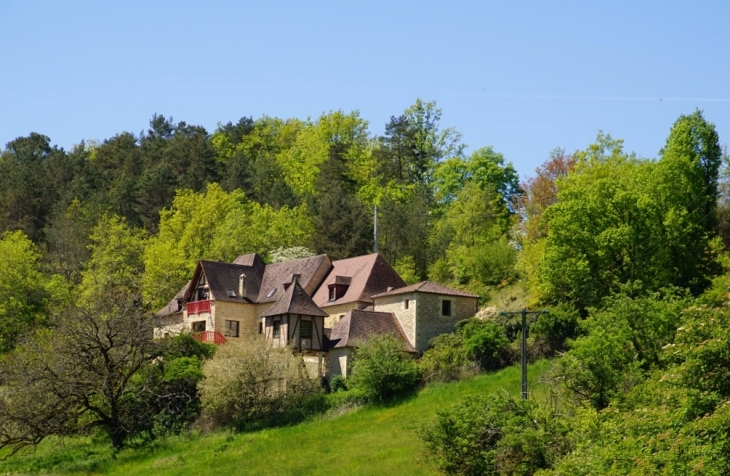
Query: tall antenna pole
[(375, 231)]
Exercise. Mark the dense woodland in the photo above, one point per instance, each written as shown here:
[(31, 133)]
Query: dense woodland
[(629, 255)]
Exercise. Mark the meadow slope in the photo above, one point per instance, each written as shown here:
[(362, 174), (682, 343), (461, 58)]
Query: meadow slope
[(364, 441)]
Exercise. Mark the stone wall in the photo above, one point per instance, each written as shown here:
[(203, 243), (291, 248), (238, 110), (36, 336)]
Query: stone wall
[(338, 361), (201, 316), (406, 317), (244, 313), (170, 325), (336, 312), (431, 323)]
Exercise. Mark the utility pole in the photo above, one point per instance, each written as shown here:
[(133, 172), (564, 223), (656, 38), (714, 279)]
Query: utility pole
[(375, 230), (523, 313)]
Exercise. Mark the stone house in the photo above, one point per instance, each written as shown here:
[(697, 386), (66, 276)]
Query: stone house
[(321, 307)]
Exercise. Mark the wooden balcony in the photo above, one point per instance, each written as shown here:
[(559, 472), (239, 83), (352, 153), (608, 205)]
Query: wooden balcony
[(211, 337), (196, 307)]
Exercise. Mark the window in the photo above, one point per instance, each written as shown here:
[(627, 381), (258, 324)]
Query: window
[(198, 326), (445, 307), (231, 293), (261, 327), (405, 304), (339, 288), (277, 328), (305, 332), (232, 328)]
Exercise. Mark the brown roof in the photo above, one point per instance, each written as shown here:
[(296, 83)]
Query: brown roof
[(427, 287), (174, 306), (368, 275), (294, 301), (358, 325), (276, 275), (223, 280), (251, 259)]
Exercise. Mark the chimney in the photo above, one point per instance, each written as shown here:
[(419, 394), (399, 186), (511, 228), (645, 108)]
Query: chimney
[(242, 286)]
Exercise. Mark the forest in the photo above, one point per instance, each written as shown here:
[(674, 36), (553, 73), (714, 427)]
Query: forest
[(629, 255)]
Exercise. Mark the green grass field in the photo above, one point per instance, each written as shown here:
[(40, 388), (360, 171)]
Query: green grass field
[(364, 441)]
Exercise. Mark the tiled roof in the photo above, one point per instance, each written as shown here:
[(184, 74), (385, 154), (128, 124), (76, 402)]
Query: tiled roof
[(223, 280), (251, 259), (358, 325), (294, 301), (427, 287), (173, 307), (368, 275), (276, 275)]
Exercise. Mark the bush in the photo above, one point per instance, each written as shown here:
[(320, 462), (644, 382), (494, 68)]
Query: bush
[(250, 384), (382, 371), (447, 359), (486, 342), (166, 399), (551, 331), (338, 384), (495, 434)]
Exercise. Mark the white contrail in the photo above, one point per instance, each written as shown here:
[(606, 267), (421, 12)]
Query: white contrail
[(603, 98)]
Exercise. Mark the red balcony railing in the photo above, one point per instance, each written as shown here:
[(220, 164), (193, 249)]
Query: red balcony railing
[(196, 307), (211, 337)]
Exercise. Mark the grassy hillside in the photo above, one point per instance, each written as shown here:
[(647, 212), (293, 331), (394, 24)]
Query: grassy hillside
[(375, 440)]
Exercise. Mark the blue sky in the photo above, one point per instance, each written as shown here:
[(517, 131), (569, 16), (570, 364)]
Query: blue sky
[(523, 77)]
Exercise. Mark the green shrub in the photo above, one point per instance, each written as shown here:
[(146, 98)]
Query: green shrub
[(447, 359), (486, 342), (166, 399), (250, 384), (495, 434), (551, 331), (338, 384), (382, 371)]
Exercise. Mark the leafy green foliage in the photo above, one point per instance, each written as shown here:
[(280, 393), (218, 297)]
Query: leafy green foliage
[(484, 167), (554, 329), (494, 434), (337, 384), (619, 219), (447, 359), (116, 259), (624, 339), (23, 289), (165, 397), (381, 370), (485, 341), (215, 225), (475, 345)]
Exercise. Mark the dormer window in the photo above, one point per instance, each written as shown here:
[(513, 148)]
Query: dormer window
[(339, 288)]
